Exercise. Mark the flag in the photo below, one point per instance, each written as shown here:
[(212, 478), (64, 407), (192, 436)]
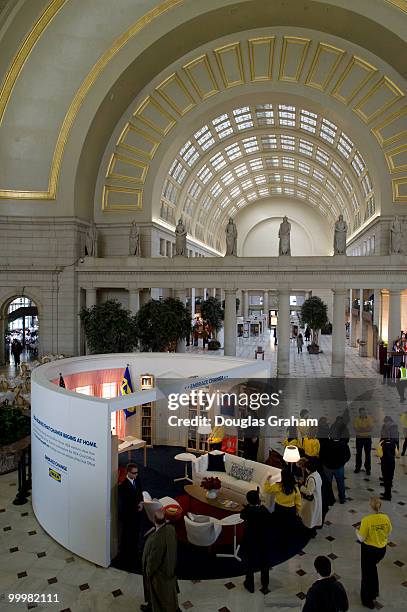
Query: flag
[(125, 388), (61, 381)]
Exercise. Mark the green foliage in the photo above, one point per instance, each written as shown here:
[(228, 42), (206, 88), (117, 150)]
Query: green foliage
[(13, 425), (314, 314), (160, 324), (109, 328), (237, 304), (212, 313)]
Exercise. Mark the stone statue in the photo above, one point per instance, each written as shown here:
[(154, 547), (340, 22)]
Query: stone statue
[(231, 238), (340, 232), (284, 235), (180, 240), (134, 240), (396, 237), (91, 241)]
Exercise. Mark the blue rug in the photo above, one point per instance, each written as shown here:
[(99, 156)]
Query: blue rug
[(195, 563)]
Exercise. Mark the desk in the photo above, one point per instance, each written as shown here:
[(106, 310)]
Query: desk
[(131, 443)]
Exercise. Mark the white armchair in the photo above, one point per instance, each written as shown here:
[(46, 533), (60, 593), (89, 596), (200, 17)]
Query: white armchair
[(201, 530), (152, 505)]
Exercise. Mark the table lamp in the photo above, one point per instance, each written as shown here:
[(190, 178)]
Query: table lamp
[(291, 455)]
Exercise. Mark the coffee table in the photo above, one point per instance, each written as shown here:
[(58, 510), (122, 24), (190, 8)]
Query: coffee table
[(197, 492)]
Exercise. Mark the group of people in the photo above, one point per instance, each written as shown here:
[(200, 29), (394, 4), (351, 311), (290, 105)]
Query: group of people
[(200, 329)]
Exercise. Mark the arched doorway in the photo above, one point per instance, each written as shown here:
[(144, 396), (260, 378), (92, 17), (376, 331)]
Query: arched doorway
[(20, 323)]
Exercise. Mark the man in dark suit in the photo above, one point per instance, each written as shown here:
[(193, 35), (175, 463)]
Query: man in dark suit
[(130, 513), (326, 594), (255, 543)]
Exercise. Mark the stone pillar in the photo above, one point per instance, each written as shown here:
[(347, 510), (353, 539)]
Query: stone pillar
[(145, 296), (394, 326), (362, 328), (338, 333), (283, 333), (245, 304), (240, 298), (214, 292), (230, 323), (134, 301), (90, 297), (266, 304), (192, 302), (180, 294), (352, 321)]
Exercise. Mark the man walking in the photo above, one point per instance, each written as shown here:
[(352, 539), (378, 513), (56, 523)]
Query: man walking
[(363, 425), (158, 564)]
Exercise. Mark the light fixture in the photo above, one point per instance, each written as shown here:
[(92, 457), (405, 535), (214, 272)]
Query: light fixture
[(204, 429), (291, 454), (146, 382)]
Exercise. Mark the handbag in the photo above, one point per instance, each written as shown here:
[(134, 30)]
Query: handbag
[(306, 496)]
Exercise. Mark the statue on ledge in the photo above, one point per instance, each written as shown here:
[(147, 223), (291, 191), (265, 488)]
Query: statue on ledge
[(91, 241), (134, 240), (180, 240), (341, 229), (396, 237), (231, 238), (284, 236)]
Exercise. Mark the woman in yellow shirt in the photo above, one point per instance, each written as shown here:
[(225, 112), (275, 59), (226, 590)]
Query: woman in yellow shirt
[(373, 534), (286, 494)]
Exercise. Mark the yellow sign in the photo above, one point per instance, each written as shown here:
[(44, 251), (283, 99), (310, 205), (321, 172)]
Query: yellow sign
[(54, 474)]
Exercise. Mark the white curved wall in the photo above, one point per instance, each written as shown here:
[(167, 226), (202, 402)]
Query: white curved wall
[(258, 226)]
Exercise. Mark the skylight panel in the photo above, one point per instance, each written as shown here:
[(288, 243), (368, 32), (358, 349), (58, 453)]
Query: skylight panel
[(322, 157), (204, 174), (194, 189), (308, 121), (286, 115), (251, 196), (319, 176), (241, 170), (328, 131), (305, 147), (287, 142), (336, 169), (218, 161), (233, 151), (250, 144), (345, 145), (256, 164), (304, 167), (269, 142), (260, 179), (227, 178), (358, 163), (288, 162), (265, 114)]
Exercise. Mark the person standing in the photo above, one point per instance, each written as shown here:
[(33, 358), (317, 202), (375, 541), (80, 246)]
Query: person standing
[(386, 451), (327, 594), (403, 421), (307, 334), (287, 496), (363, 425), (373, 534), (130, 513), (311, 497), (300, 343), (334, 454), (16, 349), (255, 545), (158, 565)]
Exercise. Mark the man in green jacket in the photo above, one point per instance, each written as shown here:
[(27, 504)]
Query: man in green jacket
[(158, 563)]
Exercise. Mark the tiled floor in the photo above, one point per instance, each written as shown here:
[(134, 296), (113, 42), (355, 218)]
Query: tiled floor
[(31, 562)]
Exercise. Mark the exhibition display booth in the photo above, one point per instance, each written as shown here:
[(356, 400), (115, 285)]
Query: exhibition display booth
[(74, 434)]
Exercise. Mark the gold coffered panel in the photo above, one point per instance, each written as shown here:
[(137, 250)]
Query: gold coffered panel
[(397, 159), (200, 73), (392, 128), (261, 55), (138, 141), (152, 114), (126, 169), (121, 199), (324, 64), (380, 97), (399, 189), (355, 76), (230, 64), (174, 92), (293, 55)]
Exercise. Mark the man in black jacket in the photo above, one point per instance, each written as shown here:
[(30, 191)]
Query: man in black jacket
[(327, 593), (130, 513), (255, 542), (334, 453)]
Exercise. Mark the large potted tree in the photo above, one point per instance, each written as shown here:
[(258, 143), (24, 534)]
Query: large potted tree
[(161, 324), (109, 328), (212, 314), (314, 314), (14, 437)]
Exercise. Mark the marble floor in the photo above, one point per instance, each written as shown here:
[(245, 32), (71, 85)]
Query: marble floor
[(31, 562)]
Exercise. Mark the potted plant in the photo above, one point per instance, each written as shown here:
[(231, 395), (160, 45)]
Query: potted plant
[(314, 314), (14, 437), (212, 314), (161, 324), (109, 328), (212, 485)]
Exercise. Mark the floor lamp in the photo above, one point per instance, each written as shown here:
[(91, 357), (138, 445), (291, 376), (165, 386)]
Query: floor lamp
[(291, 455), (205, 430)]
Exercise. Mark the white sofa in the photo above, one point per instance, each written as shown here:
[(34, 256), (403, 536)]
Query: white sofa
[(229, 483)]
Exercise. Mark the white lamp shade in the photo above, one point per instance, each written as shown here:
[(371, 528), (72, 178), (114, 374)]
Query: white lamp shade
[(204, 429), (291, 454)]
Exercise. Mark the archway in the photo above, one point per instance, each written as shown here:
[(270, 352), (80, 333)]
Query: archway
[(19, 330)]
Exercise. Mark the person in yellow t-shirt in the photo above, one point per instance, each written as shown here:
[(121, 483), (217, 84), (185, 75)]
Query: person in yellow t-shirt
[(403, 421), (286, 494), (373, 534), (363, 425), (311, 447)]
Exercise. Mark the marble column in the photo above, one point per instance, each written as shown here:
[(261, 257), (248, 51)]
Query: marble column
[(134, 301), (352, 320), (245, 304), (362, 328), (338, 333), (181, 295), (394, 326), (283, 333), (266, 304), (214, 292), (192, 302), (230, 323), (240, 298)]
